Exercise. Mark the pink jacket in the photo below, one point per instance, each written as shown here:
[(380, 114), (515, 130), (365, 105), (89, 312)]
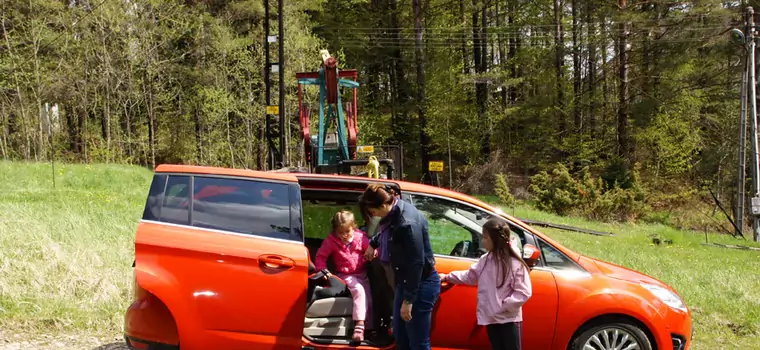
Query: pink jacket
[(496, 305), (348, 258)]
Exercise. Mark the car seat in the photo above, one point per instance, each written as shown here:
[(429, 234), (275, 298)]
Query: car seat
[(330, 306)]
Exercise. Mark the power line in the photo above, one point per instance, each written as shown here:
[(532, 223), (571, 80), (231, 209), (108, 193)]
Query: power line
[(660, 22), (452, 44)]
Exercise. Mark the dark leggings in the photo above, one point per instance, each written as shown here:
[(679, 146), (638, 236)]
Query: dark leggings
[(505, 336)]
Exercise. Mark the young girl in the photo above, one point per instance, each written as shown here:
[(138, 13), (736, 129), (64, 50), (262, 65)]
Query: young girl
[(503, 281), (346, 245)]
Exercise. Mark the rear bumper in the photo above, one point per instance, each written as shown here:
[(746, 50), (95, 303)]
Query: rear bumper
[(141, 344), (149, 321)]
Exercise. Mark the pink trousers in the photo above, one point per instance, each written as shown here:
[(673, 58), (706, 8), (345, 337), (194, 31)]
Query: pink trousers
[(358, 285)]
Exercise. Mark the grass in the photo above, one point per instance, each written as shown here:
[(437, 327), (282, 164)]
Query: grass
[(66, 254)]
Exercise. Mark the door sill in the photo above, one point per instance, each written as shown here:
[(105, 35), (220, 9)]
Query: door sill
[(378, 342)]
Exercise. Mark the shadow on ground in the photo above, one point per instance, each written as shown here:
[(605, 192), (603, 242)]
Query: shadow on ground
[(112, 346)]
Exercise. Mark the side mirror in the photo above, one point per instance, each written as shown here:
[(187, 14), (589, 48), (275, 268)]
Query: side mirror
[(531, 254)]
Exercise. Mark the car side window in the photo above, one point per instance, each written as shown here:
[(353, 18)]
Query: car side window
[(175, 208), (242, 206), (454, 228), (553, 258), (152, 209)]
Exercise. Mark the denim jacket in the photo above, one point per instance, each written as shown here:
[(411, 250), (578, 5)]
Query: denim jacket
[(409, 244)]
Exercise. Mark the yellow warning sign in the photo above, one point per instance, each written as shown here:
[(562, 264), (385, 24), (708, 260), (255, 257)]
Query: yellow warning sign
[(365, 149), (273, 109), (436, 165)]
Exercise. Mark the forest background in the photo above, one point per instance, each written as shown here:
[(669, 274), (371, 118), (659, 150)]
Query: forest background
[(612, 110)]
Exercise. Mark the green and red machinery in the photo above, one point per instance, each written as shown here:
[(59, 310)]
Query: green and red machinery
[(334, 151)]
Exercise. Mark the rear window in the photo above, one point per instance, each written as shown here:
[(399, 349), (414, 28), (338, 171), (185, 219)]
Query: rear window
[(234, 205)]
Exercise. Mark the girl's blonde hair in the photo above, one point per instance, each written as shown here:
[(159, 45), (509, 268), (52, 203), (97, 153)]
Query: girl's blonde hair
[(343, 218)]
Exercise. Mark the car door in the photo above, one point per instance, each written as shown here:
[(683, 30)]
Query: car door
[(455, 229), (231, 249)]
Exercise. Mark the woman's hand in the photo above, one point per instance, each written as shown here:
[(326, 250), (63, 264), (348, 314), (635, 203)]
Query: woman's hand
[(442, 276), (370, 253), (406, 311)]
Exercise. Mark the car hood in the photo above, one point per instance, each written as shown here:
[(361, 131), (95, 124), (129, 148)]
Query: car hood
[(626, 274)]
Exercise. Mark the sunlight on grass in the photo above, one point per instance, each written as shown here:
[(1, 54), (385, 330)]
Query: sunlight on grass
[(66, 252)]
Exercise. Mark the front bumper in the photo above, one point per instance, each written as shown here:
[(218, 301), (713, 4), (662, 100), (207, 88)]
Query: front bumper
[(679, 332)]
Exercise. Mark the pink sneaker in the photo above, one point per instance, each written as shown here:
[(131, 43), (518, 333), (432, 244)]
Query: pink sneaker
[(358, 333)]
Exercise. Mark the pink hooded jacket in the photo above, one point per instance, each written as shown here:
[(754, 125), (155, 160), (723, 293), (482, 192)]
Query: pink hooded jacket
[(348, 258)]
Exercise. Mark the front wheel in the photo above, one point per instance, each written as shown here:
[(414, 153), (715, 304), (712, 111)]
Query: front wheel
[(612, 336)]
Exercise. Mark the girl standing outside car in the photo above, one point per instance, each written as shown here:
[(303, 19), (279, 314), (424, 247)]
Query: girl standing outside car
[(503, 281), (411, 259)]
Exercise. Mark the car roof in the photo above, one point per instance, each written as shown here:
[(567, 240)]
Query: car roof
[(403, 185), (209, 170)]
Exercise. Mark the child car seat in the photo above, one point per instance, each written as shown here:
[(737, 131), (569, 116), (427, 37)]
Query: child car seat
[(330, 306)]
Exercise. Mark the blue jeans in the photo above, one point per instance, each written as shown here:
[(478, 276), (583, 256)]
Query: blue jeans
[(415, 334)]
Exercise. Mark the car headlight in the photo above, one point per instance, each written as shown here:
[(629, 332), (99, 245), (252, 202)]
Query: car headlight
[(666, 296)]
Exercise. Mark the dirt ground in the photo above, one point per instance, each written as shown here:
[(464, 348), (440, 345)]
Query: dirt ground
[(59, 341)]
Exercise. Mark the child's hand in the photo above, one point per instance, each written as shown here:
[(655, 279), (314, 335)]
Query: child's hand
[(370, 253), (442, 276)]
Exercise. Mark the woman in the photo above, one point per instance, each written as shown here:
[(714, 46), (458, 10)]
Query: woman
[(411, 258), (383, 288)]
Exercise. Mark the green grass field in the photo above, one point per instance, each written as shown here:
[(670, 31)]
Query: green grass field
[(66, 254)]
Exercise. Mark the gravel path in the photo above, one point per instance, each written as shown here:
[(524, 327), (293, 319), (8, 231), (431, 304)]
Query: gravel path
[(19, 341)]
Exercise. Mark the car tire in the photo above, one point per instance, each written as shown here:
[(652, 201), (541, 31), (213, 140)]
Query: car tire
[(600, 336)]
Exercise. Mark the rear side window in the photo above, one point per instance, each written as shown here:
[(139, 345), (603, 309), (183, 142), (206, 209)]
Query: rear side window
[(155, 196), (226, 204), (242, 206), (176, 204)]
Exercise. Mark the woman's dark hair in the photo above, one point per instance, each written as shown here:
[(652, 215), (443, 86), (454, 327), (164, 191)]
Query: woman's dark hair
[(364, 213), (498, 231), (376, 195)]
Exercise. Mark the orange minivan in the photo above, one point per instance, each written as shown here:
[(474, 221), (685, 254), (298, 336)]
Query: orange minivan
[(222, 261)]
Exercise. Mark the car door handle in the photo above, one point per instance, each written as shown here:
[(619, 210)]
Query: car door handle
[(275, 261)]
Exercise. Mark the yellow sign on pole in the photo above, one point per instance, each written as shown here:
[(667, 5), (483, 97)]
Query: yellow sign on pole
[(435, 165), (365, 149), (273, 109)]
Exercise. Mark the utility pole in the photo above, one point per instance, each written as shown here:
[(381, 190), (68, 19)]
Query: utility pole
[(755, 203), (748, 99), (741, 181), (738, 37), (281, 67), (276, 157)]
